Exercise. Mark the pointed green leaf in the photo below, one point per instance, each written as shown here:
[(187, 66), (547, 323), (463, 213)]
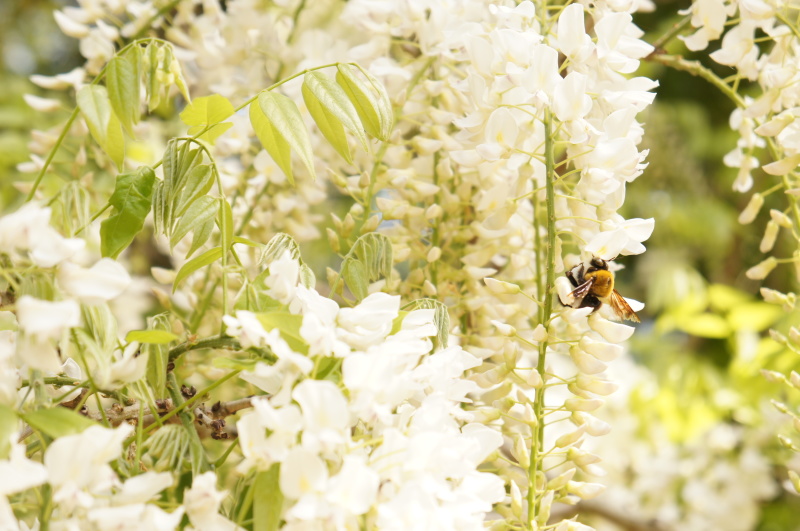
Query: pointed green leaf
[(96, 109), (267, 500), (131, 202), (374, 250), (201, 211), (156, 337), (225, 222), (214, 132), (160, 222), (236, 365), (441, 318), (273, 142), (245, 241), (57, 422), (123, 81), (277, 245), (285, 117), (207, 258), (157, 355), (289, 326), (355, 276), (198, 183), (370, 100), (208, 110), (333, 112), (201, 236), (103, 124)]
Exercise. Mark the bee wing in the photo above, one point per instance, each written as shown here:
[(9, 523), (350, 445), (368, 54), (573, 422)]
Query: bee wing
[(621, 307), (583, 290)]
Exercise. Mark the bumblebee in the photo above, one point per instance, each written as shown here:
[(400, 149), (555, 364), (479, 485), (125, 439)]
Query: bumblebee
[(594, 286)]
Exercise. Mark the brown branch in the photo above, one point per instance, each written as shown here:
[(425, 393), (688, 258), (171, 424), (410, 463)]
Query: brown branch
[(623, 519)]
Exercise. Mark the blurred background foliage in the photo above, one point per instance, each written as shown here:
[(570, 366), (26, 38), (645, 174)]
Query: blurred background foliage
[(705, 327)]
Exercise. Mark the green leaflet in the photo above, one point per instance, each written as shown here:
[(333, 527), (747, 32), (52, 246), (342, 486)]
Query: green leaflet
[(155, 337), (333, 112), (122, 82), (131, 201), (370, 100), (441, 317), (57, 422), (275, 248), (285, 123), (289, 326), (369, 259), (277, 147), (200, 212), (208, 111), (94, 103), (207, 258), (267, 499)]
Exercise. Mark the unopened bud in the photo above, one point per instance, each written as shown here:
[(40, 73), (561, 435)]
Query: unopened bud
[(778, 337), (580, 457), (583, 404), (363, 181), (520, 451), (794, 335), (504, 329), (433, 212), (540, 333), (543, 514), (371, 224), (776, 297), (780, 218), (535, 379), (780, 406), (562, 479), (795, 480), (498, 287), (357, 210), (760, 271), (770, 235), (570, 438), (428, 288), (593, 425), (511, 354), (773, 376), (597, 386), (751, 210), (516, 500), (333, 240), (585, 490), (434, 254), (348, 225)]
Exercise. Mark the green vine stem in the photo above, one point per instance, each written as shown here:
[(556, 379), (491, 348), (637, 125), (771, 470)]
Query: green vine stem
[(545, 311)]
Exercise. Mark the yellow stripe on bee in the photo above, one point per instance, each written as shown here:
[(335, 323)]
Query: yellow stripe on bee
[(603, 282)]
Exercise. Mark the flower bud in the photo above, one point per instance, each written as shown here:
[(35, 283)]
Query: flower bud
[(516, 500), (540, 333), (772, 296), (593, 426), (583, 404), (612, 332), (570, 438), (535, 379), (773, 376), (543, 515), (600, 349), (780, 218), (585, 363), (794, 335), (428, 288), (520, 451), (795, 480), (585, 490), (504, 329), (348, 225), (770, 235), (434, 254), (760, 271), (751, 210), (498, 287), (580, 457), (371, 224), (511, 354), (562, 479), (433, 212), (597, 386), (363, 180), (333, 240), (780, 406)]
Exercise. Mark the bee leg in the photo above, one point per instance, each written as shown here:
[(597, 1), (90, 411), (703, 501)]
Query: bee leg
[(571, 276)]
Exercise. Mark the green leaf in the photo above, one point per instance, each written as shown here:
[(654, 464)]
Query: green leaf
[(207, 258), (199, 213), (328, 104), (289, 326), (277, 246), (705, 325), (236, 365), (160, 221), (245, 241), (267, 500), (370, 100), (133, 193), (155, 337), (225, 221), (198, 183), (8, 430), (153, 54), (273, 142), (157, 355), (369, 259), (123, 81), (201, 236), (213, 133), (441, 318), (355, 276), (208, 110), (57, 422), (285, 117), (103, 124)]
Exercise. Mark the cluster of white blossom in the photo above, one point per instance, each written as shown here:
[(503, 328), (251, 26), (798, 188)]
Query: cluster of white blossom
[(389, 447)]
